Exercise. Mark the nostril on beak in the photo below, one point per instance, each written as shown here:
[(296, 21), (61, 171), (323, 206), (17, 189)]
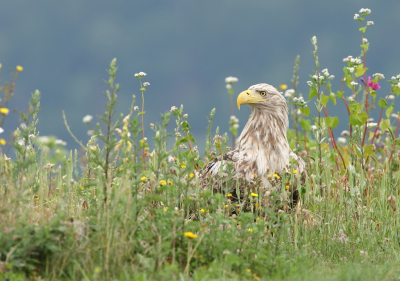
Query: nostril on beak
[(248, 94)]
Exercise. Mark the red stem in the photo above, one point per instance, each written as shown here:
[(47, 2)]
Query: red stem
[(394, 142)]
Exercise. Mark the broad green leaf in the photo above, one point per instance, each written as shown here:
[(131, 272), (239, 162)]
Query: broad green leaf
[(324, 100), (382, 103), (332, 121), (389, 110), (192, 138), (363, 117), (348, 81), (385, 123), (332, 96), (355, 120), (365, 47), (339, 94), (313, 92), (305, 110), (373, 95), (182, 140), (363, 29), (305, 124), (360, 70), (396, 89), (368, 150)]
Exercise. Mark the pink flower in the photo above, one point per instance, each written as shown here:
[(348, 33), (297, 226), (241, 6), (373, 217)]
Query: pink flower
[(373, 85)]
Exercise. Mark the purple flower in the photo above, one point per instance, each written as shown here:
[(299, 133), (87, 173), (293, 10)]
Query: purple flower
[(373, 85)]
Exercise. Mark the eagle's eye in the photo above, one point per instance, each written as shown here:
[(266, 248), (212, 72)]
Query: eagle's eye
[(263, 94)]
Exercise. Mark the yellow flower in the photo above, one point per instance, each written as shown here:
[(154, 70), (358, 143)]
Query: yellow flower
[(190, 235), (165, 209), (170, 182), (226, 206), (254, 175), (287, 187), (250, 230), (183, 165), (254, 194), (258, 218), (228, 195), (191, 175), (0, 65), (19, 68), (283, 86), (203, 211), (255, 277), (143, 178), (256, 204), (120, 169), (190, 198), (270, 176), (248, 270), (275, 175), (4, 110), (2, 142), (294, 171), (127, 160), (163, 182)]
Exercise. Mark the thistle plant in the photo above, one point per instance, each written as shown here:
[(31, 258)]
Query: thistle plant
[(143, 143)]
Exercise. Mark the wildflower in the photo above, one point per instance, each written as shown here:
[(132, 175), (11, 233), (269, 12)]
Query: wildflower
[(235, 126), (365, 40), (354, 83), (185, 115), (355, 60), (289, 93), (250, 230), (19, 68), (170, 182), (143, 178), (173, 108), (162, 182), (269, 176), (145, 84), (2, 142), (351, 69), (331, 77), (356, 16), (276, 176), (60, 142), (314, 40), (228, 86), (325, 72), (255, 175), (390, 97), (294, 171), (191, 175), (190, 235), (254, 194), (248, 270), (165, 209), (203, 211), (283, 86), (373, 85), (140, 74), (345, 133), (0, 65), (365, 11), (226, 206), (309, 83), (258, 218), (380, 75), (394, 115), (87, 119), (370, 125), (342, 140), (1, 130), (136, 108), (370, 22), (183, 165), (228, 195), (230, 80), (4, 110), (350, 98)]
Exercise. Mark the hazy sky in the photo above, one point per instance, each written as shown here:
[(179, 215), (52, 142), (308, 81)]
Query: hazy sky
[(187, 48)]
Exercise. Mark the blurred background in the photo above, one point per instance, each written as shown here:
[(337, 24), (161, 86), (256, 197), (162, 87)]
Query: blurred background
[(187, 48)]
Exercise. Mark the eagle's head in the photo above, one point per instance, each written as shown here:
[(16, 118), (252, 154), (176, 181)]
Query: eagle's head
[(262, 97)]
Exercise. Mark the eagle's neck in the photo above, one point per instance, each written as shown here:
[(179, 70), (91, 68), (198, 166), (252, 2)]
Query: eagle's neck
[(265, 136)]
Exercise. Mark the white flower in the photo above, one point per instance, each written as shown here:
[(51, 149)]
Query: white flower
[(295, 99), (136, 108), (350, 98), (370, 125), (365, 10), (299, 111), (44, 139), (370, 22), (398, 85), (31, 136), (21, 142), (394, 115), (183, 146), (355, 60), (354, 83), (235, 126), (230, 79), (178, 134), (331, 77), (398, 76), (393, 78), (145, 84), (342, 140), (60, 142), (351, 69), (173, 108), (233, 117), (87, 119), (313, 127), (185, 115), (314, 40), (90, 132), (309, 83), (380, 75), (23, 126), (142, 74), (365, 40), (325, 72), (318, 77), (1, 130), (228, 86), (170, 159), (391, 97), (289, 93), (151, 125), (356, 16), (345, 133)]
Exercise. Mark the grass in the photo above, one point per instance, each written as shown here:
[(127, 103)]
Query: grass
[(120, 210)]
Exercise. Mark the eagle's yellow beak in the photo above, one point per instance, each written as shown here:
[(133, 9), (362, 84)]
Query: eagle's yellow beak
[(246, 97)]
